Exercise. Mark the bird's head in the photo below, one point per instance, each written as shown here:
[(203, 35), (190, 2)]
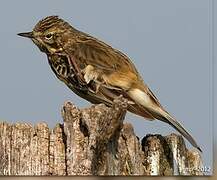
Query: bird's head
[(50, 34)]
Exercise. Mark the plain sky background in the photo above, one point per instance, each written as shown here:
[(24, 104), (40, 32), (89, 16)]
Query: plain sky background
[(170, 42)]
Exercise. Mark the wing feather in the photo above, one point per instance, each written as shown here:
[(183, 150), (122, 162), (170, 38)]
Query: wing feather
[(115, 74)]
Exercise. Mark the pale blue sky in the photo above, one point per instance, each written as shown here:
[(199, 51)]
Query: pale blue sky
[(168, 40)]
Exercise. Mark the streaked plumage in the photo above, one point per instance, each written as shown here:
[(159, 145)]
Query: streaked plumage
[(96, 71)]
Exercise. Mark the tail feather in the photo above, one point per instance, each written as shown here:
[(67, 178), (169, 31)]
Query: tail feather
[(166, 117), (149, 102)]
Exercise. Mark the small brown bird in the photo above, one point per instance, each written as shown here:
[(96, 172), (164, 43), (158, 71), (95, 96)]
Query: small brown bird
[(96, 71)]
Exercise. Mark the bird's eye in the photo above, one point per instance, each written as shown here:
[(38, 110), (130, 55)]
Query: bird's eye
[(49, 36)]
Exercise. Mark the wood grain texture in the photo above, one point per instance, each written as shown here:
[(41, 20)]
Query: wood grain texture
[(92, 141)]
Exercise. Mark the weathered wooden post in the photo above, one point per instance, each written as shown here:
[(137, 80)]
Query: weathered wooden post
[(92, 141)]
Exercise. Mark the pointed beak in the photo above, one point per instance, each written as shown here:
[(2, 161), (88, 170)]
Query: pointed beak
[(26, 34)]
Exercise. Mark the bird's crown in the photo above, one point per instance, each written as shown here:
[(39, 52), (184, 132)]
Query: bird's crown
[(50, 22)]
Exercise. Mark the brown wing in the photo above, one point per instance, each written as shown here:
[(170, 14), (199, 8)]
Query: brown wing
[(114, 67), (115, 73), (97, 53)]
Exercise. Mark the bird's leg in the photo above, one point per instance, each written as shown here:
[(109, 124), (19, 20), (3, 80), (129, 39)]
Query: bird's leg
[(97, 87)]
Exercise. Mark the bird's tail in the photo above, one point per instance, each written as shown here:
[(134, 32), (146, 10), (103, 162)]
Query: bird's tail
[(166, 117), (153, 110)]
